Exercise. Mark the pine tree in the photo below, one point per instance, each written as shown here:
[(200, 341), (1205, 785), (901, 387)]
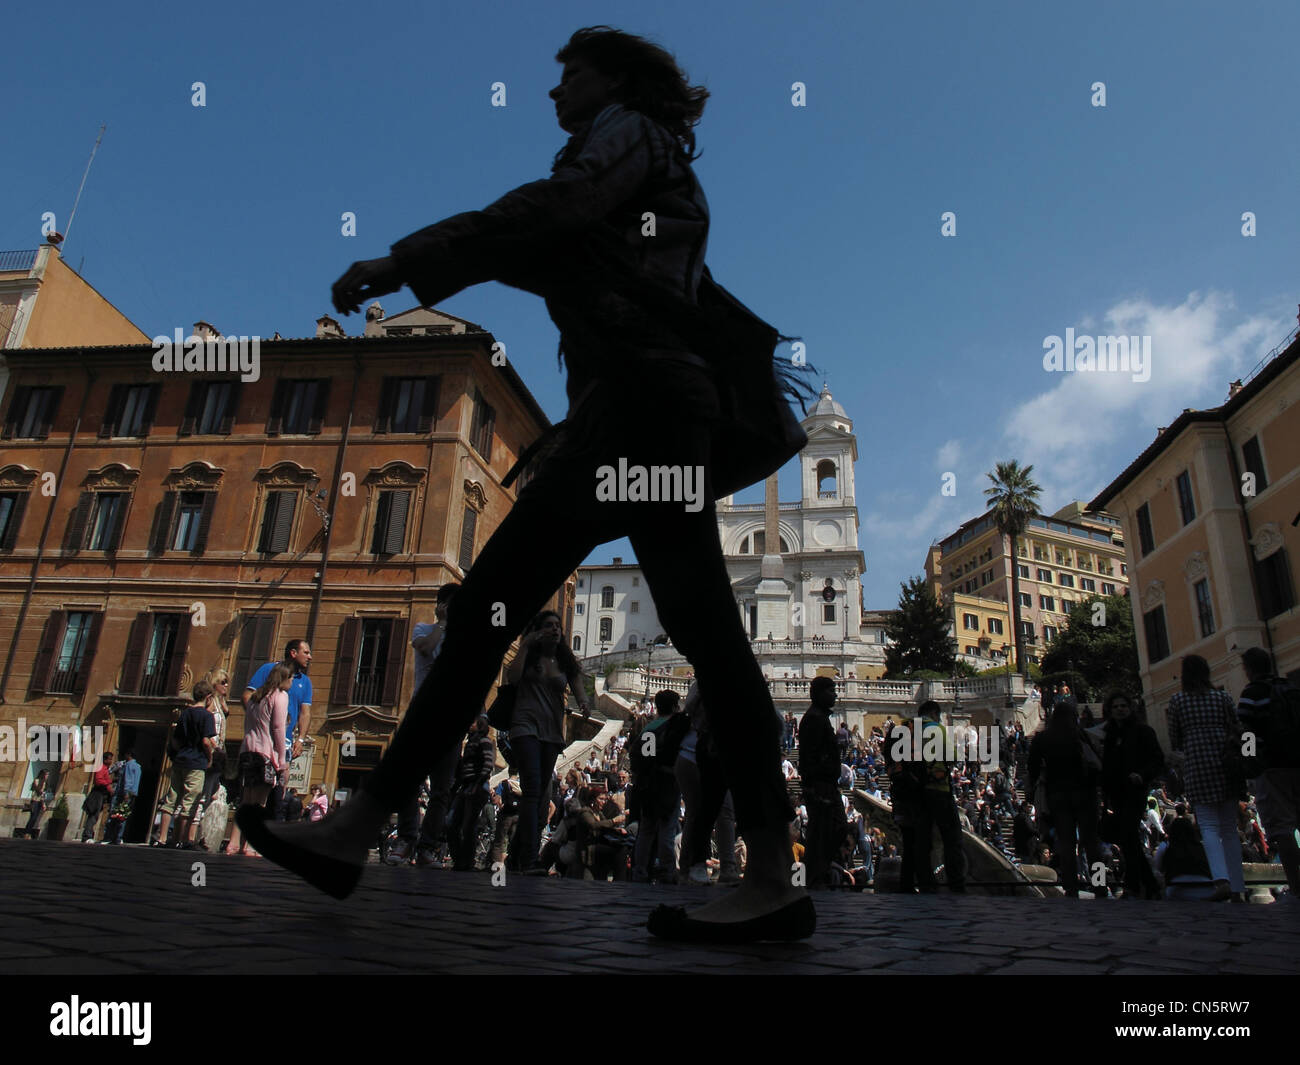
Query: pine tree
[(918, 633)]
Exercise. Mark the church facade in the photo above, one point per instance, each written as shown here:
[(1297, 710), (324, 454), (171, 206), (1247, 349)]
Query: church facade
[(795, 571)]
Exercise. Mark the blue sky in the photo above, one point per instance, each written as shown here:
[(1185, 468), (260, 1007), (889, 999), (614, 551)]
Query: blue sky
[(826, 218)]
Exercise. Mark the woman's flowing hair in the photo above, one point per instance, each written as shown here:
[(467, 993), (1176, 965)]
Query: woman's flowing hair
[(564, 655), (275, 678), (1196, 674), (654, 84), (1063, 726)]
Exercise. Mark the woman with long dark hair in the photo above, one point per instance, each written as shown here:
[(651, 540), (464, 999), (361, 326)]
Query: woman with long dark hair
[(644, 330), (1200, 721), (1071, 788)]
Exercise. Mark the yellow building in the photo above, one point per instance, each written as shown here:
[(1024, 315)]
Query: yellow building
[(1062, 559), (1211, 513)]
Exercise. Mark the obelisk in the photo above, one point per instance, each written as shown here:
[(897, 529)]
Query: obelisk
[(772, 595)]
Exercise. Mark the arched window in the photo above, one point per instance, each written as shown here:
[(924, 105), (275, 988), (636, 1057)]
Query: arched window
[(631, 643), (756, 544), (607, 597), (606, 629), (577, 643), (826, 480)]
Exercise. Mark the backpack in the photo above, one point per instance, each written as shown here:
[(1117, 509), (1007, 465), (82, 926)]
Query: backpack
[(1278, 730)]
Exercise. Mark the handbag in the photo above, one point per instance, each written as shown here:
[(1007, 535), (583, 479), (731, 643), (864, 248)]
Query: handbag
[(502, 711)]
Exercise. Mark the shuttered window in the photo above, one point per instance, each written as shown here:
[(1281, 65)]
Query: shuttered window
[(368, 663), (390, 522), (211, 409), (298, 407), (12, 507), (277, 522), (407, 405), (467, 528), (31, 413), (131, 410), (483, 427), (256, 632)]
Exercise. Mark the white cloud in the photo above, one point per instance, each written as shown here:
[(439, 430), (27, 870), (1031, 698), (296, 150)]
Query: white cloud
[(1087, 426), (946, 457)]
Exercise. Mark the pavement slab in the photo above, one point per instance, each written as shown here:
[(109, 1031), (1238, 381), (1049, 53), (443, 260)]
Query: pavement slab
[(118, 910)]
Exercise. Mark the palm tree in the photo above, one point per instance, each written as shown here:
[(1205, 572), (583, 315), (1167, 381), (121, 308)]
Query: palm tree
[(1013, 500)]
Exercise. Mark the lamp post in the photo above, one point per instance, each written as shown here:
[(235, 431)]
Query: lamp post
[(1006, 653), (658, 641)]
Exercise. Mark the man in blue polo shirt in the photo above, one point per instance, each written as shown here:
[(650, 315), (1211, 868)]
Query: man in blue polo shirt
[(297, 656)]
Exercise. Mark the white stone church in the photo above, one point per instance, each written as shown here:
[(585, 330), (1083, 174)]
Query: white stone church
[(795, 571)]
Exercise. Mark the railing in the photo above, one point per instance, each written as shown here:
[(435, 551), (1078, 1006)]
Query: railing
[(970, 690), (763, 506), (369, 688), (17, 260), (1286, 342)]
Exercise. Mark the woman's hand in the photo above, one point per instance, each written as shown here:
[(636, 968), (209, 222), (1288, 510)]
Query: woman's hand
[(365, 279)]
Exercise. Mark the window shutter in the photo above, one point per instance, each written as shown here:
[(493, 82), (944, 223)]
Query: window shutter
[(282, 523), (178, 656), (50, 637), (396, 659), (133, 663), (254, 650), (194, 407), (318, 413), (88, 655), (16, 407), (395, 535), (47, 415), (114, 540), (15, 519), (76, 532), (150, 410), (160, 535), (429, 411), (345, 662), (277, 408), (205, 522), (269, 511), (384, 418), (467, 539), (232, 406), (112, 412)]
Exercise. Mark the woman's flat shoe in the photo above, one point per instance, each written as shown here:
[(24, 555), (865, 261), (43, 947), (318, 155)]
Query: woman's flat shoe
[(331, 875), (795, 920)]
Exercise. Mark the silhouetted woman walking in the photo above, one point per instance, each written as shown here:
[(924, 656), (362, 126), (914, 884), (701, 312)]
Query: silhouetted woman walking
[(644, 331)]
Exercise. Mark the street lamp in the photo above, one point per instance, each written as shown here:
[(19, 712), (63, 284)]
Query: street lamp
[(1006, 653), (658, 641)]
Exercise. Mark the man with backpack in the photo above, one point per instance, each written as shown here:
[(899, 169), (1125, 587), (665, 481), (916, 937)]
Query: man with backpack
[(473, 774), (1269, 709), (193, 740), (657, 796)]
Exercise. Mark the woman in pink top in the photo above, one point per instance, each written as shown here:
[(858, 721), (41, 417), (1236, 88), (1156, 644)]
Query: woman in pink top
[(261, 756), (320, 803)]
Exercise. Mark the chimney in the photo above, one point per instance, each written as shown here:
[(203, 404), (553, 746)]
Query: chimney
[(1234, 388), (374, 315), (328, 327), (205, 331)]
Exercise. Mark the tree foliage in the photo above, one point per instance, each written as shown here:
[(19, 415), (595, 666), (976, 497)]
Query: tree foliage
[(918, 631), (1097, 656)]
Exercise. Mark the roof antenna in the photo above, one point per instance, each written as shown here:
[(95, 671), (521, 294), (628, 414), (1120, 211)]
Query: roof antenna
[(103, 126)]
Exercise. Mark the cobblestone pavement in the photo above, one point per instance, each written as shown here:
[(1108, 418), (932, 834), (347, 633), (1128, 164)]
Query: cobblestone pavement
[(77, 909)]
